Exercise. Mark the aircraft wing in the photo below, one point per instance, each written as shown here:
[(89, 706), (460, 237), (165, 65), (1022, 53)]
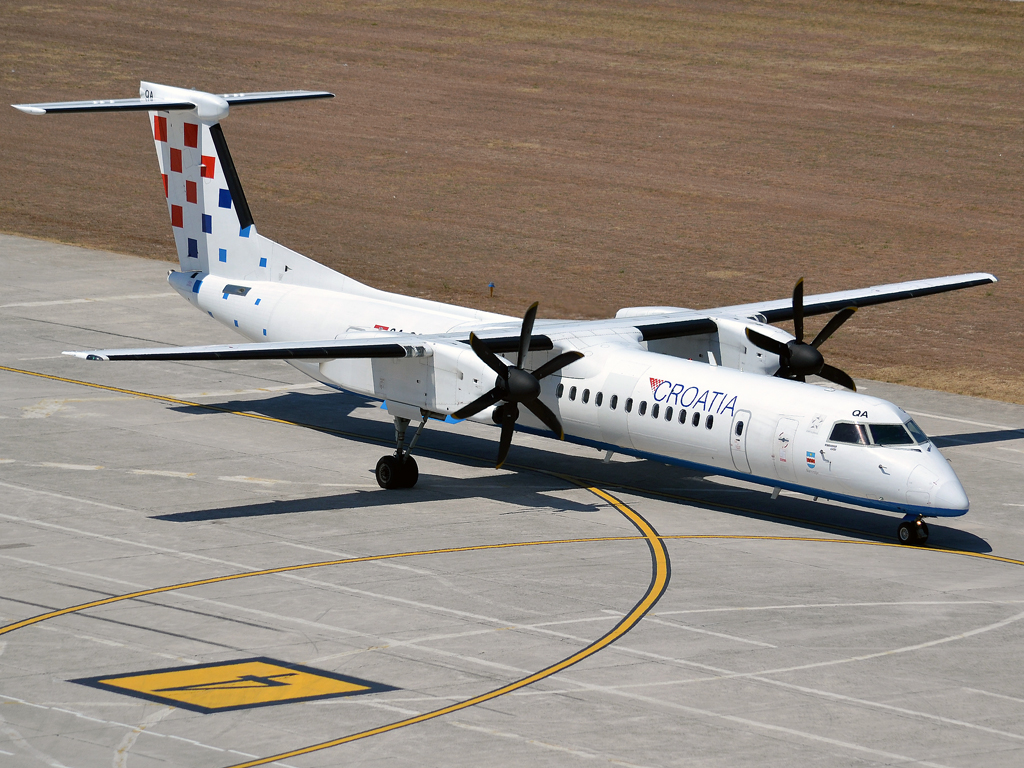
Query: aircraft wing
[(380, 345), (825, 303), (391, 345)]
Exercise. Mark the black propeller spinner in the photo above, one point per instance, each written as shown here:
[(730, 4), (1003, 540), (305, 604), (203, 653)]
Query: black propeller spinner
[(516, 385), (797, 359)]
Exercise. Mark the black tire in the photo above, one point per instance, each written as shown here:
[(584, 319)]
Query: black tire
[(906, 533), (409, 473), (388, 473)]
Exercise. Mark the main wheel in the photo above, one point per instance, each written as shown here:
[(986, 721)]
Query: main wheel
[(922, 533), (409, 473), (906, 533), (388, 473)]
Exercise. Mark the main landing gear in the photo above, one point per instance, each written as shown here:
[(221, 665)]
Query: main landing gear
[(913, 531), (400, 470)]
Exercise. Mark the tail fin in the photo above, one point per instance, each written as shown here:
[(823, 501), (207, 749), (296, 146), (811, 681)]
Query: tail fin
[(212, 224)]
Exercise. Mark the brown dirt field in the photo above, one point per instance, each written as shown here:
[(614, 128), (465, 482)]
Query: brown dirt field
[(591, 156)]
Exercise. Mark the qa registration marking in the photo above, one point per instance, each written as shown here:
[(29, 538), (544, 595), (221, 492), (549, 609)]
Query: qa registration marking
[(243, 684)]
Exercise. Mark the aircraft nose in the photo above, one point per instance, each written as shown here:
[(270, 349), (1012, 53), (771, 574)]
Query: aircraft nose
[(951, 495)]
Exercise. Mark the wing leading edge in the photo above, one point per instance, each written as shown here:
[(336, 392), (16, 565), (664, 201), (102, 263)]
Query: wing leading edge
[(824, 303)]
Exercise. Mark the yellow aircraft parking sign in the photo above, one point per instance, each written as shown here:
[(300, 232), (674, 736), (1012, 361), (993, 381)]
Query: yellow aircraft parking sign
[(224, 686)]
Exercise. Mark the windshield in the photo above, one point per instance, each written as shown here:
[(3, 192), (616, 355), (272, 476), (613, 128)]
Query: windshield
[(877, 434), (916, 431), (890, 434), (844, 432)]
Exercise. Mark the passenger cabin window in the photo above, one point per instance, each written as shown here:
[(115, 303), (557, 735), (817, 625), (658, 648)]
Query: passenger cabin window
[(559, 390), (668, 413), (654, 410), (696, 419), (844, 432), (642, 408), (613, 402), (709, 421), (890, 434), (629, 404), (572, 393), (598, 399), (682, 416), (739, 428), (586, 396)]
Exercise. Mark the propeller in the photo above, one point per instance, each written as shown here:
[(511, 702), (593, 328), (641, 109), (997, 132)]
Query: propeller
[(516, 386), (798, 359)]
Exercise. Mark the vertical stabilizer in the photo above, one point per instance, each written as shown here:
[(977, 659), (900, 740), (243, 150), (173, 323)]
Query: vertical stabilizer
[(213, 228), (212, 225)]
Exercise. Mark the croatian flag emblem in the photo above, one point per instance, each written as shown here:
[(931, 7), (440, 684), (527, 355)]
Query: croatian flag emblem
[(810, 459), (655, 383)]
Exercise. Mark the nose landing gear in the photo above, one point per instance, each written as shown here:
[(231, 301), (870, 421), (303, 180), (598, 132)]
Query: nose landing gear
[(913, 531), (400, 470)]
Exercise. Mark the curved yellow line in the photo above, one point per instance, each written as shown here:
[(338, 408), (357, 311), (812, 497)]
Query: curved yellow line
[(659, 582), (286, 568)]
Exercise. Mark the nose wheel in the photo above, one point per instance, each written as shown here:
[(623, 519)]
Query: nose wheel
[(400, 470), (913, 532)]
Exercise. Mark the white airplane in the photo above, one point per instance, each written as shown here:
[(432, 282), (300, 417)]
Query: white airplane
[(717, 390)]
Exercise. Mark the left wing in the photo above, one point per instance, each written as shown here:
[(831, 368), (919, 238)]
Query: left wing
[(393, 345)]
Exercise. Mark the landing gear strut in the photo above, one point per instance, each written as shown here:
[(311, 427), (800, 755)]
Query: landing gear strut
[(913, 531), (400, 470)]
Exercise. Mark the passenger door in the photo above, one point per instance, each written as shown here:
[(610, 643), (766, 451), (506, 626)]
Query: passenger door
[(738, 441)]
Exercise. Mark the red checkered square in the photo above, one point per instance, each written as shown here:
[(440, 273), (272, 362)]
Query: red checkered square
[(164, 177), (191, 135), (177, 219), (176, 160), (191, 193), (159, 128), (209, 166)]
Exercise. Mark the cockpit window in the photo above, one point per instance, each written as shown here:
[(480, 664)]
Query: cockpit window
[(890, 434), (877, 434), (850, 433), (916, 431)]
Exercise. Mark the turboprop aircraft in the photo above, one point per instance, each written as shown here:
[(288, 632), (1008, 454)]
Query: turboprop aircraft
[(718, 390)]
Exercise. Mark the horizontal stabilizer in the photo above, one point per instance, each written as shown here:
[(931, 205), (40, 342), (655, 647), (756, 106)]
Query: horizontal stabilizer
[(165, 105), (331, 349), (106, 105), (263, 97)]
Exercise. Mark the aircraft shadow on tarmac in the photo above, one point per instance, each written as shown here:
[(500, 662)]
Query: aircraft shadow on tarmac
[(978, 438), (331, 412)]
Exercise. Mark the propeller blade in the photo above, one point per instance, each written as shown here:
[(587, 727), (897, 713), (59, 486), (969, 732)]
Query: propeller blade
[(542, 412), (509, 414), (832, 326), (556, 364), (478, 405), (525, 333), (489, 358), (768, 344), (837, 376), (798, 310)]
